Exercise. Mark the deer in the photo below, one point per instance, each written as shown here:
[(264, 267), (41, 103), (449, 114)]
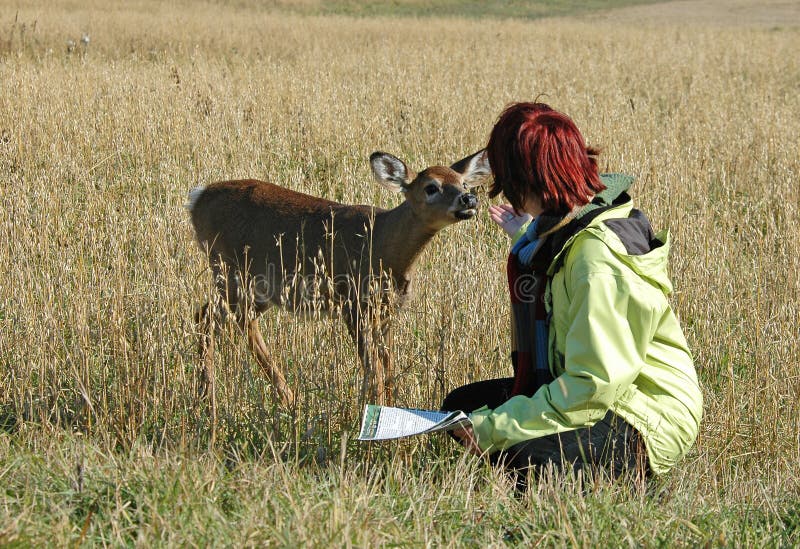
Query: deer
[(271, 246)]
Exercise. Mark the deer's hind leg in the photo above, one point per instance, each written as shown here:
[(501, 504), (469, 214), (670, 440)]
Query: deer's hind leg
[(251, 302), (260, 350), (206, 327), (209, 318)]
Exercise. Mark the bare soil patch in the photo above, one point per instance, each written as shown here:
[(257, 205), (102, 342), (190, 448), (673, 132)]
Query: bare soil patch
[(767, 13)]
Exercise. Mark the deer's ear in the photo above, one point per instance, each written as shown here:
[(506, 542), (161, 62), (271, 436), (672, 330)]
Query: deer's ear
[(390, 171), (474, 168)]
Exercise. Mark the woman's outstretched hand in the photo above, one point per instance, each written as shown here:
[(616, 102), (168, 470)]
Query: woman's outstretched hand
[(508, 220)]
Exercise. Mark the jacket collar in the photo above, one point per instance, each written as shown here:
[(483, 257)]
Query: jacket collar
[(613, 201), (559, 231)]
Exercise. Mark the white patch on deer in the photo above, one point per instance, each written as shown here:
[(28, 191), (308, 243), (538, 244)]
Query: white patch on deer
[(459, 211), (194, 195)]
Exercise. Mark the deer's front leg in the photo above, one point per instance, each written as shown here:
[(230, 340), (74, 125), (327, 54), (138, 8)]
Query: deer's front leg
[(385, 358), (365, 331)]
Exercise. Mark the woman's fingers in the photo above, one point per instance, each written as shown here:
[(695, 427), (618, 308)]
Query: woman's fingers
[(502, 213), (506, 217), (497, 217), (507, 207)]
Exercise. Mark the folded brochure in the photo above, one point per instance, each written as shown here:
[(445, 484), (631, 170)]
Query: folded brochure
[(386, 422)]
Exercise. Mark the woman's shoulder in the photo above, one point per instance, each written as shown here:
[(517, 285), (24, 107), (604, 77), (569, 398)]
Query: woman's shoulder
[(631, 253), (590, 253)]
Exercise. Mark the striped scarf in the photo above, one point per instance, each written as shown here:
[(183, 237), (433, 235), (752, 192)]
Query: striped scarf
[(527, 268), (527, 281)]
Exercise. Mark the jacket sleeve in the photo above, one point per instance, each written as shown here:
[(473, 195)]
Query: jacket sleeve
[(606, 341)]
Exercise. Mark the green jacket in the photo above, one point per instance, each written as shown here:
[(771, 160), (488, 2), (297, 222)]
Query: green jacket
[(614, 344)]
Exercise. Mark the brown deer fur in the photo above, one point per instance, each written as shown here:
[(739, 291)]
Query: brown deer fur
[(269, 245)]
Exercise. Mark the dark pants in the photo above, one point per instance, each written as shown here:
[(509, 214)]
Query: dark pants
[(611, 446)]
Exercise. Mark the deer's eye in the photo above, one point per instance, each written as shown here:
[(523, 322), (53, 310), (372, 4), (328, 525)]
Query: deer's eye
[(431, 189)]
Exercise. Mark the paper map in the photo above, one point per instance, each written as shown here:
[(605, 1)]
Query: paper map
[(386, 422)]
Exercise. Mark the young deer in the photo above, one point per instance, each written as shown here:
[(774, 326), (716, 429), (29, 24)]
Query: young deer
[(270, 245)]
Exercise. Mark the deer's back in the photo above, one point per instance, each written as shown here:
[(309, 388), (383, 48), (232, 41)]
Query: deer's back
[(277, 228)]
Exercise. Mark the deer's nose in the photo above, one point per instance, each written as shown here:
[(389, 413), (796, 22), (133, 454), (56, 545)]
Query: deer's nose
[(469, 200)]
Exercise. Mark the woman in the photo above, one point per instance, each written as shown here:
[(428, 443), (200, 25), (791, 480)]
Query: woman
[(603, 377)]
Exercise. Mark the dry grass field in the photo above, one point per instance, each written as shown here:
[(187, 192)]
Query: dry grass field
[(102, 437)]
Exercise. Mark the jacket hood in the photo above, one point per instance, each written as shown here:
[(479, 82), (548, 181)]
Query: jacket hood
[(626, 231), (633, 242), (617, 185)]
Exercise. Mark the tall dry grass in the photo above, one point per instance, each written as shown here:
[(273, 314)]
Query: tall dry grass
[(99, 276)]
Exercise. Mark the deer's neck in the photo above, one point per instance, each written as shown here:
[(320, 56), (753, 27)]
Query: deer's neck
[(399, 236)]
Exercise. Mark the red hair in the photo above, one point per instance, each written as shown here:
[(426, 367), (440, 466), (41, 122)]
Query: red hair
[(536, 151)]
